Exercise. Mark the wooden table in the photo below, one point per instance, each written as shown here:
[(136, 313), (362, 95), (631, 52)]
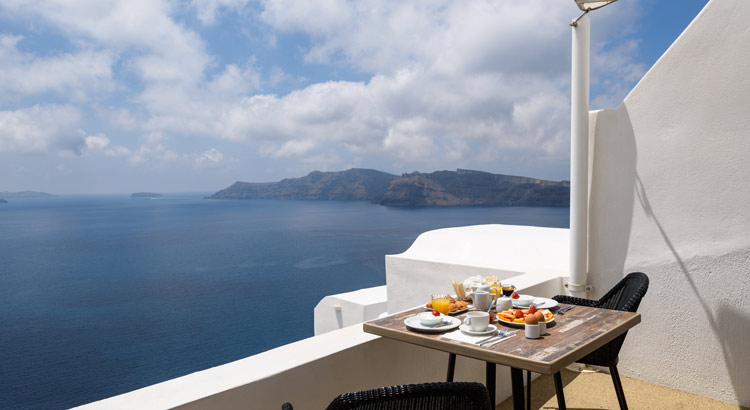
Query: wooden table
[(574, 335)]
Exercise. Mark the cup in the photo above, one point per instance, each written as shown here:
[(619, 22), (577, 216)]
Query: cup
[(441, 302), (477, 321), (532, 331), (482, 300)]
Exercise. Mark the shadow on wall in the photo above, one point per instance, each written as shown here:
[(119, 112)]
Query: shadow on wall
[(730, 326), (613, 176)]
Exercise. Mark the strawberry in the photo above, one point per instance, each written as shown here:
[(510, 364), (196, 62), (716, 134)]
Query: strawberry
[(532, 309), (515, 295), (435, 313), (518, 313)]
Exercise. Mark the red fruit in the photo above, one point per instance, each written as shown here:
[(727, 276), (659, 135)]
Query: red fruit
[(532, 309), (515, 295), (518, 313), (435, 313)]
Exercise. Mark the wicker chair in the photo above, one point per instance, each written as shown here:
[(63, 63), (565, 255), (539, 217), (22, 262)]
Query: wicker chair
[(625, 296), (427, 396)]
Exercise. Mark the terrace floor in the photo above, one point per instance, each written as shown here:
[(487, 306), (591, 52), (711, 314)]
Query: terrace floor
[(639, 394)]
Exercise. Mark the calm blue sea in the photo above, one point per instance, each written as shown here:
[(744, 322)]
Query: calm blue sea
[(103, 295)]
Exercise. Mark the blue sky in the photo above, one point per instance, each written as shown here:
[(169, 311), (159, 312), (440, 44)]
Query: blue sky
[(189, 96)]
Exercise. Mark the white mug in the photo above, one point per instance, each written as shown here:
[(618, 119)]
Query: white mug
[(477, 321), (482, 300)]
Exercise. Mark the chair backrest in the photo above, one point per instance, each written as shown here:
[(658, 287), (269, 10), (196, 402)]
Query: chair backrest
[(427, 396), (626, 295)]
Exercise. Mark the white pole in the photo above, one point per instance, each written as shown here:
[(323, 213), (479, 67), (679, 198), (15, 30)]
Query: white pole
[(579, 149)]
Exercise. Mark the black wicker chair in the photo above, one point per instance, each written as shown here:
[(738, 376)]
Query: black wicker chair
[(625, 296), (427, 396)]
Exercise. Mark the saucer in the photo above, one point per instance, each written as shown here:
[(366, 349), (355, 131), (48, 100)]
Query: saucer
[(467, 330), (449, 323)]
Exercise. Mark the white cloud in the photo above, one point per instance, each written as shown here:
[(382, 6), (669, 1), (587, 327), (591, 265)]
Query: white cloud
[(101, 145), (41, 128), (76, 76), (209, 158)]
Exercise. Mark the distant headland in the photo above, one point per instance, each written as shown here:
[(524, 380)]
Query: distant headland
[(2, 201), (25, 194), (442, 188), (145, 195)]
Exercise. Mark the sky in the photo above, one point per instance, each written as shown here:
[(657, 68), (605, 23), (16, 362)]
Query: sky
[(118, 96)]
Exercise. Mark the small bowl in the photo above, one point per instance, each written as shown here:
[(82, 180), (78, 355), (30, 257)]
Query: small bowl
[(523, 300), (427, 319)]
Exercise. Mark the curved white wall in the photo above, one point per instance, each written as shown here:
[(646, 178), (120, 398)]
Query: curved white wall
[(670, 191)]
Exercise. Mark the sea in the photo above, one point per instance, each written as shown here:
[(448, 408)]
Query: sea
[(101, 295)]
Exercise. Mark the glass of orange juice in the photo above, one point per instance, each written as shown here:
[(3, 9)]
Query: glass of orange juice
[(440, 302)]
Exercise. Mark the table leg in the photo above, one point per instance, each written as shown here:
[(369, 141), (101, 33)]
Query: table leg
[(516, 380), (490, 377), (451, 367), (528, 390), (559, 391)]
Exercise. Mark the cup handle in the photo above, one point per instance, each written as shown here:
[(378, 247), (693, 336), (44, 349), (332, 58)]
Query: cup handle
[(467, 321)]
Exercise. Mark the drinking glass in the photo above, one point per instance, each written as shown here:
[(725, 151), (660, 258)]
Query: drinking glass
[(508, 289), (440, 302)]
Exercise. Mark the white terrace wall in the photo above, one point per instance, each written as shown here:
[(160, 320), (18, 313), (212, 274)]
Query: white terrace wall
[(670, 196)]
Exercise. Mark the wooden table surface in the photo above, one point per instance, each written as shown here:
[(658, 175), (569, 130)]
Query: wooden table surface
[(574, 335)]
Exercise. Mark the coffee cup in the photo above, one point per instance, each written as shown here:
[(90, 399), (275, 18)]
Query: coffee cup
[(482, 300), (477, 321)]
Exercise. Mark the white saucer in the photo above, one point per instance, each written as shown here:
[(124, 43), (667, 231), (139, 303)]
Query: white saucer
[(414, 324), (490, 329)]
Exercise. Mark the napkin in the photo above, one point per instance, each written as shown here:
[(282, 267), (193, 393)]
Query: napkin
[(460, 336)]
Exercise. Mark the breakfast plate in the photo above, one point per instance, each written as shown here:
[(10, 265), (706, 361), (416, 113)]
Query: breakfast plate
[(549, 318), (490, 329), (455, 312), (449, 323)]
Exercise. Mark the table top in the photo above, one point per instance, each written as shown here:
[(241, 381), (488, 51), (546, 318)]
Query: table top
[(574, 335)]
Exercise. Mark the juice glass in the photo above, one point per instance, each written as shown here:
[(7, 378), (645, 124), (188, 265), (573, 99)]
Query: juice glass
[(440, 302)]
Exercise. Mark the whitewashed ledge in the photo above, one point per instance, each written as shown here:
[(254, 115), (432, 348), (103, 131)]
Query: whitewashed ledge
[(532, 258)]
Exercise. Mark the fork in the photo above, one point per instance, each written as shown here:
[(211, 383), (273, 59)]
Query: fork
[(565, 309)]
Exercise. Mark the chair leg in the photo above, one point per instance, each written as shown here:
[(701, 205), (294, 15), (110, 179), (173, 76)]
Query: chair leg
[(618, 387), (528, 390), (451, 367), (559, 391)]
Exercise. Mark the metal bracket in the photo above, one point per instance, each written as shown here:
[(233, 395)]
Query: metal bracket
[(587, 288)]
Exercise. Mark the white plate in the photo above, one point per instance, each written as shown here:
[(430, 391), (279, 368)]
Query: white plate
[(544, 303), (490, 329), (413, 324)]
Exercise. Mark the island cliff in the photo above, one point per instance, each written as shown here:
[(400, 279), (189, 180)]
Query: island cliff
[(441, 188)]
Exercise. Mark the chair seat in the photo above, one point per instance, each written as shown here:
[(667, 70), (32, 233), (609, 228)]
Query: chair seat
[(426, 396)]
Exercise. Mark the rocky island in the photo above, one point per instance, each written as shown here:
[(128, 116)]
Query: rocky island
[(145, 195), (25, 194), (2, 201), (442, 188)]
